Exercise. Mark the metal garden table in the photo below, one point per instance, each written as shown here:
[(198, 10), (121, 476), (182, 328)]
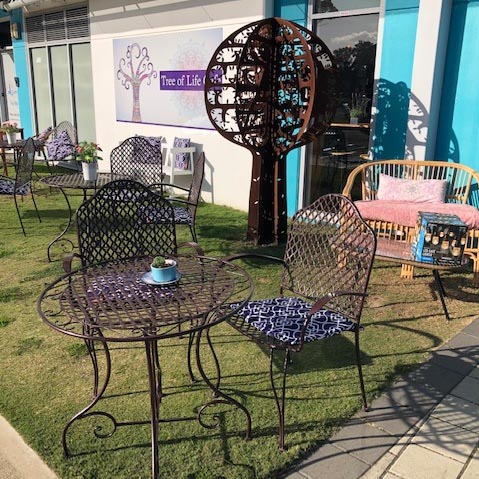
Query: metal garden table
[(111, 303), (400, 252), (75, 181)]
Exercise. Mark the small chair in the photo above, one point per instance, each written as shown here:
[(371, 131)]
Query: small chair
[(326, 266), (22, 184), (138, 159), (185, 210), (179, 158)]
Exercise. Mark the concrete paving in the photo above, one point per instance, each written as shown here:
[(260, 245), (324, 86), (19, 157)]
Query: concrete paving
[(17, 459), (426, 426)]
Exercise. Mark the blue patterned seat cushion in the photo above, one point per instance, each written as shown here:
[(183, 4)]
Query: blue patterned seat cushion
[(182, 160), (150, 214), (283, 318), (7, 187)]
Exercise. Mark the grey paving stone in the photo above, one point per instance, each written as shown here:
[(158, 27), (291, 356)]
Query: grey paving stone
[(474, 373), (395, 418), (363, 441), (472, 469), (472, 329), (459, 412), (467, 389), (435, 377), (331, 463)]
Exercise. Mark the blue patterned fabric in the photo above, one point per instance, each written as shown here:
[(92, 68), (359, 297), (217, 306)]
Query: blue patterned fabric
[(182, 160), (44, 134), (155, 141), (7, 187), (150, 214), (283, 318), (60, 147)]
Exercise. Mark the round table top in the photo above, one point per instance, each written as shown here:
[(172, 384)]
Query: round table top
[(111, 302), (76, 181)]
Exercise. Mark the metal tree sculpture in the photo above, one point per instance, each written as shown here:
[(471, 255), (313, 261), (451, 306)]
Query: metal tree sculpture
[(140, 69), (270, 87)]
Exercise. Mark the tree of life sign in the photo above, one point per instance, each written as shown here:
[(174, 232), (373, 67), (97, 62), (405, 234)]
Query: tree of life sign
[(270, 87)]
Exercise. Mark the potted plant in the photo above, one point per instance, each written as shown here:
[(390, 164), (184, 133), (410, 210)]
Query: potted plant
[(356, 108), (163, 270), (87, 154), (10, 128)]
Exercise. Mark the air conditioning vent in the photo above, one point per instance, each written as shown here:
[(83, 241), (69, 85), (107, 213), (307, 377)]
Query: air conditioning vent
[(35, 29), (58, 26)]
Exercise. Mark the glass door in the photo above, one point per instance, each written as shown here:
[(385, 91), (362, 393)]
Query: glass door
[(63, 87), (349, 29)]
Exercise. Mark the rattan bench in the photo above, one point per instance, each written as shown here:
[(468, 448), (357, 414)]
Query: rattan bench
[(462, 188)]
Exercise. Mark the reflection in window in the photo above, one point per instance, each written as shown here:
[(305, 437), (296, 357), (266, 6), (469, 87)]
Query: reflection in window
[(327, 6), (352, 40)]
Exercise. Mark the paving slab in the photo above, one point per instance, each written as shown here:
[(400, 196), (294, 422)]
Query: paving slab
[(472, 469), (332, 463), (467, 389), (459, 412), (417, 462), (446, 439)]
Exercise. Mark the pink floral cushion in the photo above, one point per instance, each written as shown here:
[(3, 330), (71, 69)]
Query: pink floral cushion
[(405, 212), (420, 191)]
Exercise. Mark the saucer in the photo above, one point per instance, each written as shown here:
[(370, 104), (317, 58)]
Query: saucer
[(148, 279)]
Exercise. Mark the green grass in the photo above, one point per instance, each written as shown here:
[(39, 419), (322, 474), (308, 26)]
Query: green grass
[(45, 377)]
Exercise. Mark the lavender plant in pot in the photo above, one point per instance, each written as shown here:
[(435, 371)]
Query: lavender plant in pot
[(163, 270)]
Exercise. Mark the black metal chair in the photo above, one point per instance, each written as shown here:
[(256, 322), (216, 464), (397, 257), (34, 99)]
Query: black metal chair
[(185, 210), (113, 225), (326, 266), (22, 184), (137, 158)]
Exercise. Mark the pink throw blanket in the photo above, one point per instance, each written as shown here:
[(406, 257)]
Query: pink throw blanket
[(405, 212)]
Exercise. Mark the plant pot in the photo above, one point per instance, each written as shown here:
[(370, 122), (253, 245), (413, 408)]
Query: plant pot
[(167, 273), (354, 120), (90, 171), (11, 137)]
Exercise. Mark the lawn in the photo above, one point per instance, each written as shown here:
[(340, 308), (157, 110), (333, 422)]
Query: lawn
[(45, 377)]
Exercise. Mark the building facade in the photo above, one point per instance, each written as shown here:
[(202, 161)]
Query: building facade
[(116, 68)]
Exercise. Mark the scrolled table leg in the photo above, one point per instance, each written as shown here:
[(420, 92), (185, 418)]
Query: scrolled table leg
[(60, 238)]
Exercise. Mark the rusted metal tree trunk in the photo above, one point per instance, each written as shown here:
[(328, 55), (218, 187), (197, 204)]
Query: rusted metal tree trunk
[(270, 87)]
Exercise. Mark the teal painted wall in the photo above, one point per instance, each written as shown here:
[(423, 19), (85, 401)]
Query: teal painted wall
[(393, 88), (296, 11), (458, 131), (21, 68)]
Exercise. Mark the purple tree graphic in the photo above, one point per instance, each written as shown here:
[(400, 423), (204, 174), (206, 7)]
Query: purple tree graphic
[(133, 71)]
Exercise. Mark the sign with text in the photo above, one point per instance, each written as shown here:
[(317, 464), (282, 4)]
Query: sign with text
[(159, 79)]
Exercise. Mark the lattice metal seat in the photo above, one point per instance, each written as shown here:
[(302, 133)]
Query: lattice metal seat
[(139, 159), (22, 184), (327, 264)]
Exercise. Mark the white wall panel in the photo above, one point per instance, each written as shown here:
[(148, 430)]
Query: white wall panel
[(228, 167)]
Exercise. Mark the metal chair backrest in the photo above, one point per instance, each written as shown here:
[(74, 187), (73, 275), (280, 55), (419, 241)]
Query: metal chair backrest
[(196, 182), (70, 130), (115, 224), (24, 167), (330, 249), (138, 159)]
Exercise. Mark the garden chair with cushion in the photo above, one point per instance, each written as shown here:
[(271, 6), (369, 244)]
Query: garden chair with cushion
[(62, 141), (22, 184), (326, 268), (185, 209), (111, 226), (139, 159)]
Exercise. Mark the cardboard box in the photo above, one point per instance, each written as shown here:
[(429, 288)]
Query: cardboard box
[(440, 239)]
